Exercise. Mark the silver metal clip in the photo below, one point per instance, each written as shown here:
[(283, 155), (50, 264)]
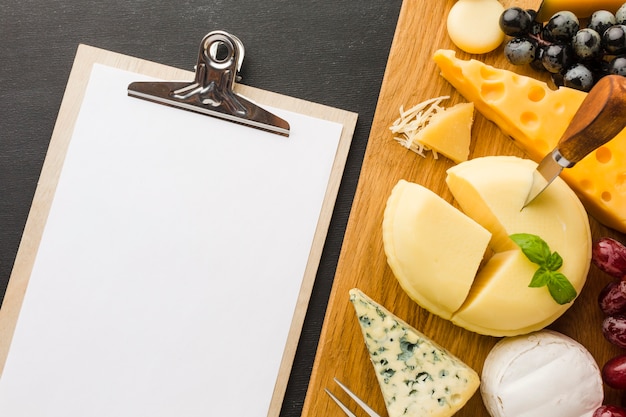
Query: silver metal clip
[(211, 93)]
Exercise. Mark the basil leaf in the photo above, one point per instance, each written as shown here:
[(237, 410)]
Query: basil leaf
[(541, 277), (538, 252), (535, 248), (554, 261), (561, 289)]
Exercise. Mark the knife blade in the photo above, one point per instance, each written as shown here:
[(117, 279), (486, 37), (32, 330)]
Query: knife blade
[(600, 117)]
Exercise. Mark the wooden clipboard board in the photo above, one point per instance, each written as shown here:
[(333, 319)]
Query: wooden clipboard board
[(86, 57)]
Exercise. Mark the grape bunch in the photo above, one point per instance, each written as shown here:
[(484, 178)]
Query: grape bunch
[(575, 56), (609, 255)]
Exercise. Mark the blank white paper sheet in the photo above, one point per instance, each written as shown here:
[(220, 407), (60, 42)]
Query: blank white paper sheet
[(170, 264)]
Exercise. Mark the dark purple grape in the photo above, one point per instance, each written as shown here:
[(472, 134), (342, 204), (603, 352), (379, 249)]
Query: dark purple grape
[(562, 26), (614, 330), (587, 44), (612, 298), (609, 411), (614, 372), (609, 255), (614, 39), (617, 65), (557, 57), (601, 20), (535, 27), (579, 77), (520, 51), (515, 21)]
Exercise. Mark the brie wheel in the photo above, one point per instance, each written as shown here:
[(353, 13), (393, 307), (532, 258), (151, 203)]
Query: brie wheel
[(541, 374)]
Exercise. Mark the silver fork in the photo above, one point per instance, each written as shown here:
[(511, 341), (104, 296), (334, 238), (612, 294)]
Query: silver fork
[(359, 401)]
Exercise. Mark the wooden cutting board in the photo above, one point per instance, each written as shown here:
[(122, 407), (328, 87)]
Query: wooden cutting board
[(412, 77)]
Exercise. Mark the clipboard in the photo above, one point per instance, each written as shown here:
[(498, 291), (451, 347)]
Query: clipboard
[(87, 59)]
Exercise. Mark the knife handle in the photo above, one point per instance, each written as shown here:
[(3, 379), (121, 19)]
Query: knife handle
[(601, 116)]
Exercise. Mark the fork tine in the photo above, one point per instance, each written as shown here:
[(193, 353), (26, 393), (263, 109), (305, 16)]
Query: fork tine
[(359, 401), (340, 404)]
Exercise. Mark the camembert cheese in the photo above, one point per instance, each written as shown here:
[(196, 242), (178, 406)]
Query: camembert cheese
[(436, 251), (536, 117), (417, 377), (541, 374)]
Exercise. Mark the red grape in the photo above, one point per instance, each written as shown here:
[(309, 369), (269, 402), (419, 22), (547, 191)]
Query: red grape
[(609, 411), (612, 298), (614, 372), (614, 330), (610, 256)]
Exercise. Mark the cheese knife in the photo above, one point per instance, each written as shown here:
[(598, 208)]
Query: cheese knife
[(601, 116)]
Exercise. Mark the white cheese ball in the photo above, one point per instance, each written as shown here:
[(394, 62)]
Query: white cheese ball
[(474, 25), (541, 374)]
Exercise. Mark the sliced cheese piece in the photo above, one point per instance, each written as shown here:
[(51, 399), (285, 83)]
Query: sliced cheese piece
[(428, 126), (501, 303), (541, 374), (421, 232), (536, 117), (450, 132), (417, 377), (473, 25)]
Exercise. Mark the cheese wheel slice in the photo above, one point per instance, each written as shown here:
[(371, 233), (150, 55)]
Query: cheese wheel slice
[(417, 377), (422, 231), (541, 374), (536, 117)]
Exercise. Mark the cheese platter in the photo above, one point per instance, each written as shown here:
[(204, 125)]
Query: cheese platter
[(424, 63)]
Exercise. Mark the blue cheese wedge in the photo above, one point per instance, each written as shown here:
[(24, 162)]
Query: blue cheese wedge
[(417, 377)]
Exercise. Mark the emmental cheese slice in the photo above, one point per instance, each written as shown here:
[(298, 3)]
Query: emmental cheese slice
[(417, 377), (536, 117)]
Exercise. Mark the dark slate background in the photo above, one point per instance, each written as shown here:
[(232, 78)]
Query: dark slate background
[(332, 52)]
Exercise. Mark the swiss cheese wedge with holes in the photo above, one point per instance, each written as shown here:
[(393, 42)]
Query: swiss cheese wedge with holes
[(536, 117)]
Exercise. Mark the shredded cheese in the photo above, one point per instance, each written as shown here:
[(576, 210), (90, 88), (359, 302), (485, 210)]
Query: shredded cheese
[(412, 121)]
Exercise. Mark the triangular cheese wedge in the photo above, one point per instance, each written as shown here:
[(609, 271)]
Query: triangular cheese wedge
[(428, 126), (536, 116), (449, 132), (417, 377)]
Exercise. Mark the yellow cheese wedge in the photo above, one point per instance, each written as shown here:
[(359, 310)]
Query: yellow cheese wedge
[(536, 116), (434, 249), (581, 8), (473, 25), (428, 126), (421, 234), (449, 132)]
